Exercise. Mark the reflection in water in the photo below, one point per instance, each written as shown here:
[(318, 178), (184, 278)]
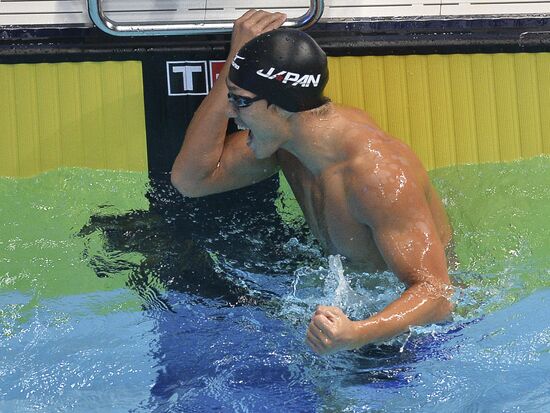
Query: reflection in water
[(227, 275), (202, 266), (180, 248), (227, 289)]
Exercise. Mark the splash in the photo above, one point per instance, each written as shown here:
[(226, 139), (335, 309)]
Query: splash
[(344, 296), (358, 294)]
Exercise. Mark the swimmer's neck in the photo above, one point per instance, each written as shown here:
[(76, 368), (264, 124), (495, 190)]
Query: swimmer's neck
[(314, 139)]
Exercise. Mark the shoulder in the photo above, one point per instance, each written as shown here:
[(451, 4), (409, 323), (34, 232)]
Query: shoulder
[(356, 115), (381, 185)]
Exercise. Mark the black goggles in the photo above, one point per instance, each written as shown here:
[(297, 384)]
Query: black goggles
[(242, 101)]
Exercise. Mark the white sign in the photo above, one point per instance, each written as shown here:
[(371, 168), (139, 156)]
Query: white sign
[(187, 77)]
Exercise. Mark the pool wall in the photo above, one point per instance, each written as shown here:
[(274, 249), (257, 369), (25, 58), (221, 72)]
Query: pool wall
[(453, 109), (77, 97), (87, 114)]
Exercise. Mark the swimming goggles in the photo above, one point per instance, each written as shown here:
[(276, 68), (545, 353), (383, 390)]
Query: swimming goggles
[(242, 101)]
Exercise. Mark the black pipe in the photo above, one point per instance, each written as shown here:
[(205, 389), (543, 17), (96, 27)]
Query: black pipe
[(338, 38)]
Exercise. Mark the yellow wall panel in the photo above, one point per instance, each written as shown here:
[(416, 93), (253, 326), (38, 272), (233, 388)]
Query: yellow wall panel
[(70, 130), (464, 115), (453, 109), (449, 108), (528, 104), (418, 106), (352, 92), (93, 133), (134, 127), (543, 77), (8, 132), (334, 86), (26, 115), (439, 82), (112, 87), (485, 115), (47, 109), (374, 83), (396, 97), (507, 107), (87, 114)]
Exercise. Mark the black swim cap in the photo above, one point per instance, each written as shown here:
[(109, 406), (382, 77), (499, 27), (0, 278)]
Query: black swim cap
[(285, 66)]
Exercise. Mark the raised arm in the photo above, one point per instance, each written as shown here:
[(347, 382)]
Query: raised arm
[(407, 237), (209, 161)]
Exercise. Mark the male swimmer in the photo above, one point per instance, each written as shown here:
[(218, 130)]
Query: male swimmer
[(364, 194)]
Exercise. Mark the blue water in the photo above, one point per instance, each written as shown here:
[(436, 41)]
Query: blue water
[(205, 356), (180, 308)]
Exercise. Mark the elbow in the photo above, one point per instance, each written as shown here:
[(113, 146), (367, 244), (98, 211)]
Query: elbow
[(185, 187), (448, 304), (440, 296), (444, 307)]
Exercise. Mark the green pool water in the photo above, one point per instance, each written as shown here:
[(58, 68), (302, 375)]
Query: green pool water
[(40, 252), (499, 214), (82, 252)]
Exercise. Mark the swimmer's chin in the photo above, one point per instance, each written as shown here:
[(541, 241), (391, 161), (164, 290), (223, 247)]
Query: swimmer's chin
[(254, 149)]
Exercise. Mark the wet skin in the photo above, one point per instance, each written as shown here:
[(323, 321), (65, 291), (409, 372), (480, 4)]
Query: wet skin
[(364, 194), (359, 167), (372, 164)]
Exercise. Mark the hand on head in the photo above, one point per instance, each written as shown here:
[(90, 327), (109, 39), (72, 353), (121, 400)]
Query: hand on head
[(252, 24)]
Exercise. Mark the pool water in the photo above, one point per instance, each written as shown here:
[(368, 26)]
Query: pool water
[(117, 295)]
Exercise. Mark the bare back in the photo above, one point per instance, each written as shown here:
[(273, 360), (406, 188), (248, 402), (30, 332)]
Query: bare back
[(328, 200)]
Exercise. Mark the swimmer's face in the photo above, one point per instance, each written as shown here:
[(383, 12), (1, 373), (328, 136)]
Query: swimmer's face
[(251, 112), (240, 102)]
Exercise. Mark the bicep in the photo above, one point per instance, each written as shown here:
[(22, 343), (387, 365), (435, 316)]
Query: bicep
[(412, 250), (406, 235)]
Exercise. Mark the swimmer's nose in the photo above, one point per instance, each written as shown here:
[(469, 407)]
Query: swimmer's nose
[(231, 111)]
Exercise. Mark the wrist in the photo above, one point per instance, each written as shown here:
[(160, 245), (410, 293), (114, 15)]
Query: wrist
[(358, 336), (363, 332)]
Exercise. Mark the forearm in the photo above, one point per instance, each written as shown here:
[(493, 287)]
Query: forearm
[(205, 136), (205, 139), (419, 305)]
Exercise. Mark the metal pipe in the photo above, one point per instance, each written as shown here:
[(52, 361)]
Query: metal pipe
[(97, 14)]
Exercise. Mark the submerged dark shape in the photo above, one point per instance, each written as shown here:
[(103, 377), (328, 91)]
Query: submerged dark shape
[(174, 238)]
